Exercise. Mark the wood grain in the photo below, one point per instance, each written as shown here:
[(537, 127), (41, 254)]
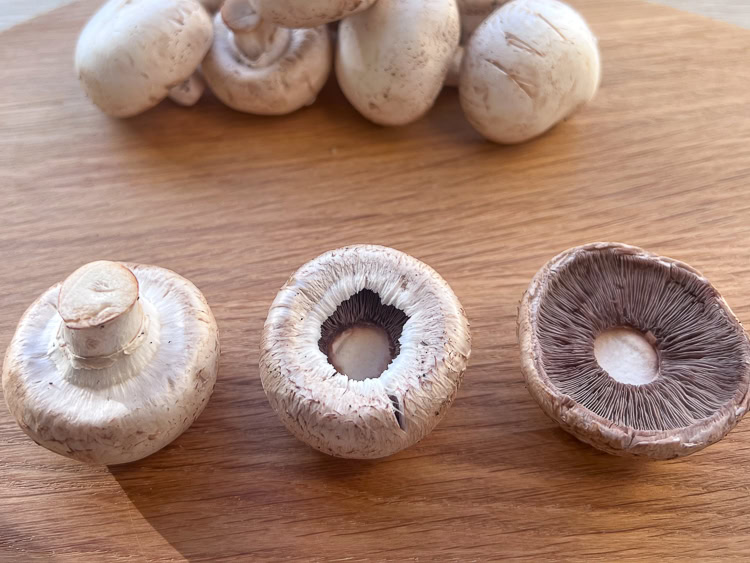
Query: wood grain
[(236, 203)]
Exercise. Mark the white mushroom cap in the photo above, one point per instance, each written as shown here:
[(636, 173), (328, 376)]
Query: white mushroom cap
[(364, 416), (131, 54), (309, 13), (531, 64), (274, 83), (392, 59), (113, 364)]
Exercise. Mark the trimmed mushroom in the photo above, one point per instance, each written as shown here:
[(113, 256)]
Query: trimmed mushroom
[(309, 13), (256, 67), (113, 364), (363, 351), (633, 353), (392, 59), (474, 12), (132, 55), (530, 65)]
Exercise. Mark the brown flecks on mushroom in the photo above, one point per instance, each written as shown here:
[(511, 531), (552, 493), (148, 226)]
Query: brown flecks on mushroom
[(684, 370)]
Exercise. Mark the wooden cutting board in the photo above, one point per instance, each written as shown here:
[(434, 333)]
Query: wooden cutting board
[(236, 203)]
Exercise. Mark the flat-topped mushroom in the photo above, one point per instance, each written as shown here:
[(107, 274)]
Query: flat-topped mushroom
[(113, 364), (633, 353), (529, 65), (392, 60), (308, 13), (257, 67), (363, 351), (132, 55)]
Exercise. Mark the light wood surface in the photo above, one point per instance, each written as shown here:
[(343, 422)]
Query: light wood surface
[(236, 203)]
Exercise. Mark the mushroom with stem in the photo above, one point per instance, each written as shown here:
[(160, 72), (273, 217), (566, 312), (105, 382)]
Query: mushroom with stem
[(308, 13), (633, 353), (113, 364), (256, 67), (392, 60), (363, 351), (132, 55), (529, 65)]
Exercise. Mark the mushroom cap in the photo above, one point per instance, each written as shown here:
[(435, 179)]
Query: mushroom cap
[(136, 405), (392, 59), (309, 13), (131, 53), (289, 83), (374, 417), (701, 391), (528, 66)]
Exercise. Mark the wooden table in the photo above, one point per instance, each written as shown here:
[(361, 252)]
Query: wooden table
[(236, 203)]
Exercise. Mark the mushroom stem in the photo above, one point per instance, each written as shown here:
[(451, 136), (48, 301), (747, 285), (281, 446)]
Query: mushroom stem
[(100, 309), (188, 93), (260, 41), (454, 71)]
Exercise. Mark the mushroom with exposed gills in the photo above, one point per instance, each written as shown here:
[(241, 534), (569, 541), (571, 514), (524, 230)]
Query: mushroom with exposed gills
[(132, 55), (257, 67), (113, 364), (363, 351)]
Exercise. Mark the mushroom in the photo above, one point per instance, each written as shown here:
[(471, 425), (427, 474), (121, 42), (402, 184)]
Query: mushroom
[(392, 59), (531, 64), (474, 12), (256, 67), (363, 351), (113, 364), (132, 55), (308, 13), (633, 353)]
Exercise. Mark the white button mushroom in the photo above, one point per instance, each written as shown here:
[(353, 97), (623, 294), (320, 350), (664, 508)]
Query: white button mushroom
[(132, 55), (392, 59), (531, 64), (256, 67), (113, 364), (309, 13), (363, 351)]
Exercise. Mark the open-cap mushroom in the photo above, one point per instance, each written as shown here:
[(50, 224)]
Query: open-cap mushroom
[(113, 364), (633, 353), (363, 351), (132, 55), (256, 67), (392, 60), (529, 65), (308, 13)]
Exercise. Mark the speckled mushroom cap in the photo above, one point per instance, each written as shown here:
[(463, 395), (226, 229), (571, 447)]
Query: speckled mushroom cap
[(280, 86), (132, 53), (374, 417), (392, 60), (528, 66), (148, 370), (701, 390), (309, 13)]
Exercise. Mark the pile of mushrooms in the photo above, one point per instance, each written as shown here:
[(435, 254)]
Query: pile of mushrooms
[(520, 66)]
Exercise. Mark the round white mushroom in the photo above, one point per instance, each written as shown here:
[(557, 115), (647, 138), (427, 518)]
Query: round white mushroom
[(132, 55), (309, 13), (257, 67), (113, 364), (392, 59), (363, 351), (530, 65)]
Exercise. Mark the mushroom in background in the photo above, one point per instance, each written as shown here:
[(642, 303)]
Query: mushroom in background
[(530, 65), (363, 351), (212, 6), (257, 67), (132, 55), (308, 13), (392, 60), (633, 353), (113, 364), (474, 12)]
